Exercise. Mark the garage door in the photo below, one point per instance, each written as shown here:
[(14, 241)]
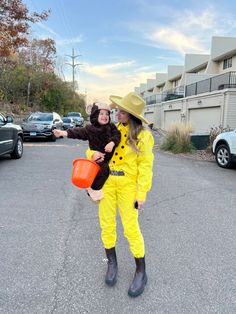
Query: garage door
[(171, 117), (203, 119)]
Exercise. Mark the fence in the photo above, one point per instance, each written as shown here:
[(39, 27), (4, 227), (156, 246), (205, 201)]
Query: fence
[(226, 80), (153, 99), (170, 94)]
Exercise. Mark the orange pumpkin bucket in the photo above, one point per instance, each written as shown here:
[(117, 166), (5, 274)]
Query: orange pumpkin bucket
[(84, 172)]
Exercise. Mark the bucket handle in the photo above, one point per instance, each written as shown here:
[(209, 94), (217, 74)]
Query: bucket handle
[(97, 159)]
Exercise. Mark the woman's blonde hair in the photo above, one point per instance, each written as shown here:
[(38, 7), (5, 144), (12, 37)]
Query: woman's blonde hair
[(135, 127)]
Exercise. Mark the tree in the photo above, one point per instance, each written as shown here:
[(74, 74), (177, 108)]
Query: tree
[(38, 57), (15, 20), (40, 54)]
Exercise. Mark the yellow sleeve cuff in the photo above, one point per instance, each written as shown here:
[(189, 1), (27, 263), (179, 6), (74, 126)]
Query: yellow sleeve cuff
[(89, 153), (141, 196)]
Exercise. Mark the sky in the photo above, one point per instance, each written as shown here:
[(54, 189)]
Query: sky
[(120, 44)]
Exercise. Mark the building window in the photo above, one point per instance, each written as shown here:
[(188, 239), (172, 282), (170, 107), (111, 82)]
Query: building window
[(175, 83), (227, 63)]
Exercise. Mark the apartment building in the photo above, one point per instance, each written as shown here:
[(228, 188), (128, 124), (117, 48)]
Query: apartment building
[(202, 91)]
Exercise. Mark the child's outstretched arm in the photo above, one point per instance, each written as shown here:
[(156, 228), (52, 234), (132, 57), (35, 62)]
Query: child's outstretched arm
[(59, 133)]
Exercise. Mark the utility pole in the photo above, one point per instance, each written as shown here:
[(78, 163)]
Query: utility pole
[(73, 65), (29, 77)]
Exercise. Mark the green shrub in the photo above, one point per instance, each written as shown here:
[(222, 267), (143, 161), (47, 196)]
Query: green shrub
[(214, 131), (23, 107), (178, 138)]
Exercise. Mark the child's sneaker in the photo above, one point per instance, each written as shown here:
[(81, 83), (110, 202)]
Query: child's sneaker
[(96, 195)]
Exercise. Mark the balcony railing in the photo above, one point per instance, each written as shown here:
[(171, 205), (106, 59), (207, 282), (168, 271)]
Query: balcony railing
[(153, 99), (170, 94), (175, 93), (225, 80)]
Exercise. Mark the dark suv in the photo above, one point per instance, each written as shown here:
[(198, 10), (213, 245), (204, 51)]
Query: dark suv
[(41, 125), (11, 137), (77, 117)]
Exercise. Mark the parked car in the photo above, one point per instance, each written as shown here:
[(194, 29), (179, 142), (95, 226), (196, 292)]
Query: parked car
[(79, 120), (41, 125), (224, 148), (11, 137), (68, 123)]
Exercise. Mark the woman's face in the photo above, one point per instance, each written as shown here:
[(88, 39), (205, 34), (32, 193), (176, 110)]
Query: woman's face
[(122, 116)]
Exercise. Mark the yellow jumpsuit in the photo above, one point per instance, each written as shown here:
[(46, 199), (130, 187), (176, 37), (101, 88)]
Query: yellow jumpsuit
[(122, 191)]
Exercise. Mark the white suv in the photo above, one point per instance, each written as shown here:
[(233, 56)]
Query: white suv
[(224, 149)]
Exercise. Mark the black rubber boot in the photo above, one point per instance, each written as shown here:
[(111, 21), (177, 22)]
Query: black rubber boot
[(112, 268), (140, 278)]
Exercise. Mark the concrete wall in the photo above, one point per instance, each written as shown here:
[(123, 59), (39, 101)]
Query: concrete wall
[(233, 68), (191, 78), (229, 115), (153, 114), (193, 61), (222, 46), (202, 111)]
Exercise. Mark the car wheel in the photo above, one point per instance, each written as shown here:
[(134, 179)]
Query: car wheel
[(223, 156), (18, 149)]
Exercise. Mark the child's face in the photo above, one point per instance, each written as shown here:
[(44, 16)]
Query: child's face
[(103, 117)]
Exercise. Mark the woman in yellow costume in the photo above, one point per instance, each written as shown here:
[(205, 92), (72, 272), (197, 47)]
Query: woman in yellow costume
[(126, 187)]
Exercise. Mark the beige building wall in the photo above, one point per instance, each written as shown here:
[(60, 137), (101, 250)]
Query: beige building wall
[(201, 71), (233, 68), (202, 111), (229, 116), (212, 64), (212, 67), (153, 114), (205, 110), (222, 47), (191, 78), (175, 83)]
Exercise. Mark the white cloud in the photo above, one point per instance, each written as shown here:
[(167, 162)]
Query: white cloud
[(121, 85), (182, 31), (49, 30), (203, 21), (188, 32), (171, 39), (67, 41), (168, 28), (106, 70), (111, 79)]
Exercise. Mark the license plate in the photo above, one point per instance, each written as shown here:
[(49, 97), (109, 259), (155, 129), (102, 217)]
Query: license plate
[(32, 133)]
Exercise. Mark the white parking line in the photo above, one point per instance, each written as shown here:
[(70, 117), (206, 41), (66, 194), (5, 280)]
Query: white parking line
[(52, 145)]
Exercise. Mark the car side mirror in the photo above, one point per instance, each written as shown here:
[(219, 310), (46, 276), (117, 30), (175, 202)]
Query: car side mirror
[(56, 120), (9, 119)]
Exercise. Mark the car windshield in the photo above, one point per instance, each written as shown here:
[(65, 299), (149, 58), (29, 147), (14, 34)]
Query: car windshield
[(66, 120), (74, 114), (41, 117)]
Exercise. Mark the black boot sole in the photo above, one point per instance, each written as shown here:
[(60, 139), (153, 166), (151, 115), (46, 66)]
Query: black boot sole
[(138, 292), (111, 283)]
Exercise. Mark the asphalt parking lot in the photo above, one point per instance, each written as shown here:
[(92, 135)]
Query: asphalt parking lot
[(52, 259)]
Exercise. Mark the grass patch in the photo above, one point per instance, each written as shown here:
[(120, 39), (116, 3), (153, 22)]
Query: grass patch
[(178, 139)]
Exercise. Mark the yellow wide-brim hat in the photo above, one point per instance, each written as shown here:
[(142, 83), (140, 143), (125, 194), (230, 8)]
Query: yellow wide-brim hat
[(132, 103)]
